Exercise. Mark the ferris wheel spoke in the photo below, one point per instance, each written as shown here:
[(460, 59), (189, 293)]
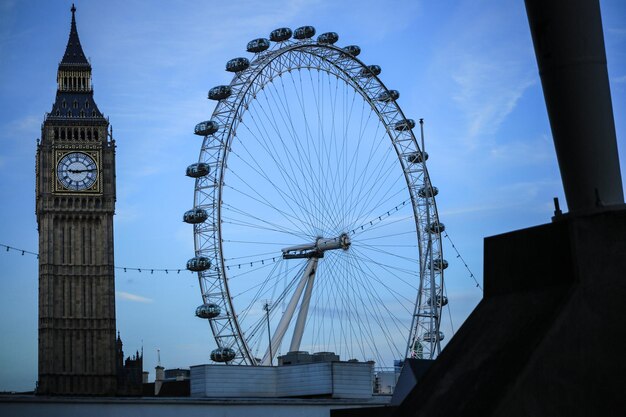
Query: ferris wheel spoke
[(287, 171), (354, 308), (311, 157), (256, 329), (412, 271), (374, 185), (360, 231), (286, 175), (263, 285), (365, 186), (249, 256), (370, 226), (249, 225), (306, 157), (390, 254), (257, 227), (381, 307), (366, 263), (291, 219), (329, 152), (256, 242), (246, 271), (286, 197), (342, 311), (373, 312)]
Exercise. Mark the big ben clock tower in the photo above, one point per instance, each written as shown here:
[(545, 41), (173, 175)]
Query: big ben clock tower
[(75, 207)]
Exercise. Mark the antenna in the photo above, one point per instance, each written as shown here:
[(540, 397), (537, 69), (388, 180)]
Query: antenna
[(266, 306), (422, 135), (158, 357)]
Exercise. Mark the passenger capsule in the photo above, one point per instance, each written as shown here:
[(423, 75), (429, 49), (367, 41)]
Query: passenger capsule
[(328, 38), (258, 45), (389, 95), (223, 354), (439, 264), (442, 300), (433, 336), (280, 35), (403, 125), (417, 157), (206, 128), (237, 64), (425, 192), (199, 263), (220, 92), (195, 216), (198, 170), (208, 311), (436, 228), (353, 50), (304, 32), (370, 71)]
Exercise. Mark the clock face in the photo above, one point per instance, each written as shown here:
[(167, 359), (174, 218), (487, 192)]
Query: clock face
[(77, 171)]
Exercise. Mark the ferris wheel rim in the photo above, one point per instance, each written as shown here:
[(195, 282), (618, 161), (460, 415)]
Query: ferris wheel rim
[(260, 63)]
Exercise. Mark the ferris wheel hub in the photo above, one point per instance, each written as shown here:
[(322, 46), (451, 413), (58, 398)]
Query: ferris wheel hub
[(317, 248)]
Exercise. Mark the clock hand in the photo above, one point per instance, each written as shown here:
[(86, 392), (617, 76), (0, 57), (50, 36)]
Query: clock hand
[(78, 171)]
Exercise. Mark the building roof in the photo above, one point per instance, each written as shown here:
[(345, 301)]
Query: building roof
[(64, 108), (74, 55)]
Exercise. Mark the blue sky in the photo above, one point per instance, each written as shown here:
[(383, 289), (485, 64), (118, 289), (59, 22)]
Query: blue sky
[(466, 67)]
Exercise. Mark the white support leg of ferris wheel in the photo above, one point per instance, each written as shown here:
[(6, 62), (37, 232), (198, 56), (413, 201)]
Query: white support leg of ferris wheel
[(304, 309), (288, 315)]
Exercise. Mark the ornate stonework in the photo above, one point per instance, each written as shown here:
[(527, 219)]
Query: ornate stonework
[(75, 194)]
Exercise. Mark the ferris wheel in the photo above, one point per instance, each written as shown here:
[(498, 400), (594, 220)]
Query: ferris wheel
[(314, 218)]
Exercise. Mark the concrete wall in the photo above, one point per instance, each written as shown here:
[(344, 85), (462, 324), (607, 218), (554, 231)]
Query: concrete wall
[(334, 379), (216, 381), (304, 379), (352, 380)]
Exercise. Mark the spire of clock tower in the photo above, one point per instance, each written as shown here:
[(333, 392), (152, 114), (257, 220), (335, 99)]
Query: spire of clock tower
[(74, 55), (74, 98)]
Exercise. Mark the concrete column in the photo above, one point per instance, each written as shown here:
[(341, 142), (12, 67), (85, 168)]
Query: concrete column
[(569, 46)]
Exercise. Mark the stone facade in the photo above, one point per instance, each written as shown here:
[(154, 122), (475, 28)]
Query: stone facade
[(75, 204)]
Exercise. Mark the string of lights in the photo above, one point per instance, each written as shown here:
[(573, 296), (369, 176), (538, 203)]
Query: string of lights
[(253, 263), (458, 255), (379, 218), (24, 251), (122, 268)]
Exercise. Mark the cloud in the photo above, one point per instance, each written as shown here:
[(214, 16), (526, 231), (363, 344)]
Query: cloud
[(133, 297), (523, 152), (27, 125), (488, 92), (619, 80), (491, 65), (617, 31)]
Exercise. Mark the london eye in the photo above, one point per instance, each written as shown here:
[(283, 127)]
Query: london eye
[(314, 217)]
